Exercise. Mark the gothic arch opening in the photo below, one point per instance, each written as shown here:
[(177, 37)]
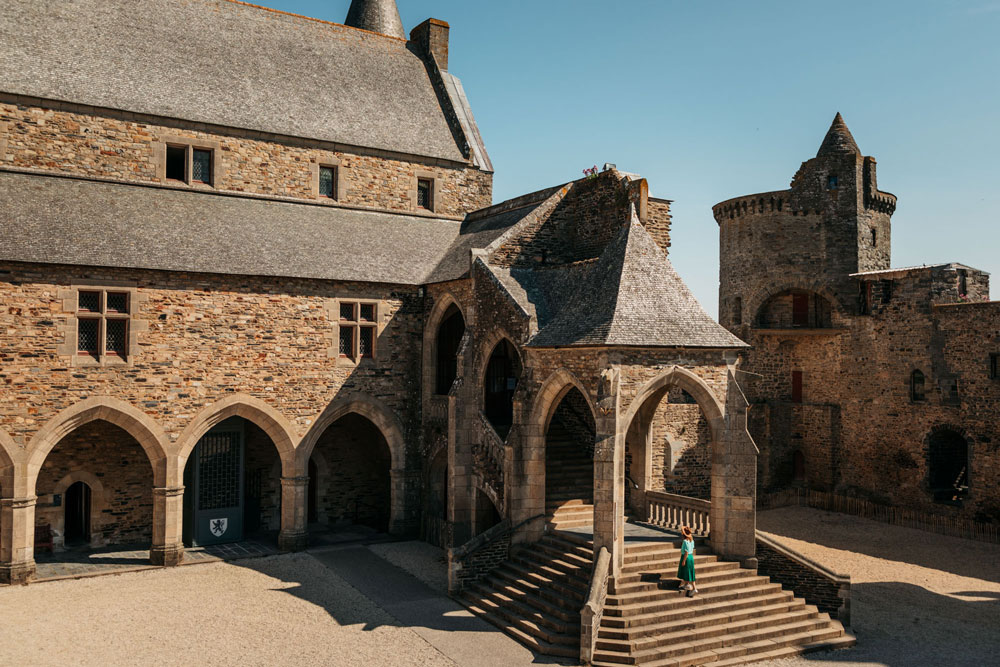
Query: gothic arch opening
[(435, 514), (503, 370), (487, 515), (569, 455), (357, 487), (95, 489), (448, 338), (232, 485), (795, 309), (947, 465)]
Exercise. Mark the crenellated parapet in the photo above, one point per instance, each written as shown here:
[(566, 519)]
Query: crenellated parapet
[(761, 204)]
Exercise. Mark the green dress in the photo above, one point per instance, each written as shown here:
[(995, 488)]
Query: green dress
[(685, 571)]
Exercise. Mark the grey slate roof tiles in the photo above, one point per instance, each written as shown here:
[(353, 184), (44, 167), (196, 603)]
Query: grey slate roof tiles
[(228, 64)]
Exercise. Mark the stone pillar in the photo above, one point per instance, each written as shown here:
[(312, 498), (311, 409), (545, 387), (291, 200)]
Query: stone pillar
[(734, 484), (609, 474), (17, 559), (293, 535), (168, 526), (404, 515)]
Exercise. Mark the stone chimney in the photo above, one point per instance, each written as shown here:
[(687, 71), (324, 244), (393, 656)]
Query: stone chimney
[(431, 37), (381, 16)]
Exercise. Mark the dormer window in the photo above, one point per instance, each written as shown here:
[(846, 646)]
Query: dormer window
[(832, 182)]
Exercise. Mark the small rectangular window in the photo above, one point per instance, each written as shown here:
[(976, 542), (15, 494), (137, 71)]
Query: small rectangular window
[(368, 312), (347, 342), (796, 386), (88, 336), (832, 182), (995, 366), (116, 337), (117, 302), (963, 282), (347, 312), (800, 310), (89, 302), (177, 163), (425, 193), (865, 298), (328, 182), (201, 166), (366, 343), (738, 311)]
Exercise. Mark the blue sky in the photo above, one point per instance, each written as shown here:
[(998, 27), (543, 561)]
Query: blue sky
[(712, 100)]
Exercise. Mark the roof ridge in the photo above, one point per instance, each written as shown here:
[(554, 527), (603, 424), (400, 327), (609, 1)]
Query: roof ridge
[(313, 19)]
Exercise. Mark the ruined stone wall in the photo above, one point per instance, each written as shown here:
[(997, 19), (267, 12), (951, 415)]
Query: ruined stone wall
[(121, 480), (200, 339), (67, 139), (658, 222)]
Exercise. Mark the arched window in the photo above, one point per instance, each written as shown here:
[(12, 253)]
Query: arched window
[(917, 386), (502, 373), (948, 466), (795, 309), (449, 336)]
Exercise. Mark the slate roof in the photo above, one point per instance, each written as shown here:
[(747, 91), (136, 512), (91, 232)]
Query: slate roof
[(228, 64), (838, 139), (53, 220), (630, 296)]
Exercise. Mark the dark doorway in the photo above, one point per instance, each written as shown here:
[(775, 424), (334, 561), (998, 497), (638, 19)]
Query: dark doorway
[(798, 466), (312, 513), (948, 466), (569, 454), (487, 514), (502, 373), (449, 337), (77, 514)]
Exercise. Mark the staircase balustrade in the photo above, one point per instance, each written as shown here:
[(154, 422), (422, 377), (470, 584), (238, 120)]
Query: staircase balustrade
[(671, 511), (593, 610)]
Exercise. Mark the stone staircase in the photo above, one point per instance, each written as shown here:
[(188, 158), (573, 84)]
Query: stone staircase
[(737, 617), (569, 480), (536, 595)]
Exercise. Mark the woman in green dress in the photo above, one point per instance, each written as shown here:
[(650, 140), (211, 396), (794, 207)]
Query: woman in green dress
[(685, 570)]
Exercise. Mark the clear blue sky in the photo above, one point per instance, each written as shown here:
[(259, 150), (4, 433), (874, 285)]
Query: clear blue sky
[(711, 100)]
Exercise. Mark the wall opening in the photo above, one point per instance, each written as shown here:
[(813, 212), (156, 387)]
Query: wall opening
[(569, 453), (487, 514), (77, 517), (435, 515), (795, 309), (502, 373), (449, 337), (948, 466), (917, 388), (798, 466)]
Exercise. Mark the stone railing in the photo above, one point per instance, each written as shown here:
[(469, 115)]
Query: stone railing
[(437, 408), (820, 586), (593, 609), (482, 554), (671, 511), (488, 456)]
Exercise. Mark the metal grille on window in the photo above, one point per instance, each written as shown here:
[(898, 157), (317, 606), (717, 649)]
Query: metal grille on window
[(90, 301), (368, 312), (116, 332), (87, 336), (219, 471), (423, 193), (117, 302), (201, 166), (347, 312), (366, 343), (347, 341), (326, 182)]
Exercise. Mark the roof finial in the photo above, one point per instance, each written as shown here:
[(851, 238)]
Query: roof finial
[(838, 139), (381, 16)]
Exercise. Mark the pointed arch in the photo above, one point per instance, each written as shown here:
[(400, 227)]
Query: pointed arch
[(261, 413), (8, 454), (679, 376), (760, 297), (136, 423), (372, 409), (436, 317), (553, 390)]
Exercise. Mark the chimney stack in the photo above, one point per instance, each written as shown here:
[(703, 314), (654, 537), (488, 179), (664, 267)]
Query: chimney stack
[(431, 37)]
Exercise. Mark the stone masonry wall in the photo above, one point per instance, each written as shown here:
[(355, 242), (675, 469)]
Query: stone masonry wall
[(807, 583), (262, 480), (111, 145), (122, 507)]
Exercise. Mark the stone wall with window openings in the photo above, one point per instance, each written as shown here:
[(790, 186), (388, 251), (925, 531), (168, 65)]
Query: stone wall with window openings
[(358, 330), (102, 323)]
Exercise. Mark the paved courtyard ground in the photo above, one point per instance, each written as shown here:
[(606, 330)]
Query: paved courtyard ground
[(918, 600)]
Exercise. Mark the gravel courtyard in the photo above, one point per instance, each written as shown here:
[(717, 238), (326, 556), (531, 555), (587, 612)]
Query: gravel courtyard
[(917, 599)]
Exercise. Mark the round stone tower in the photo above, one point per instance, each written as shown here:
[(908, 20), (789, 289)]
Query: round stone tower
[(381, 16)]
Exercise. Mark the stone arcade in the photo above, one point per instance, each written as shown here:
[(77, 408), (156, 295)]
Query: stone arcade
[(253, 283)]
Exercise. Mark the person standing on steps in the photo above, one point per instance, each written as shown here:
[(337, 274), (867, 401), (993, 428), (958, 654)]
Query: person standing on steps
[(685, 570)]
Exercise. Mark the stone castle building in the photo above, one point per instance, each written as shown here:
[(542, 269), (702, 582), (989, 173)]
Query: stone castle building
[(863, 379)]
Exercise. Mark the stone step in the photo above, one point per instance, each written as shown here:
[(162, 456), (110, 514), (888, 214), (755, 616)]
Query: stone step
[(730, 645), (639, 622), (555, 541), (682, 633), (514, 610), (548, 602), (724, 581), (667, 581), (668, 566), (534, 559), (672, 600), (572, 502), (520, 576), (845, 641), (580, 556), (532, 642)]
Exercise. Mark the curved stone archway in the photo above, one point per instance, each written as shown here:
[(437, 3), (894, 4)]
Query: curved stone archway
[(9, 454), (436, 317)]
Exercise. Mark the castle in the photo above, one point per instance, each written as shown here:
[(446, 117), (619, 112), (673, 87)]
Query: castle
[(877, 382), (254, 285)]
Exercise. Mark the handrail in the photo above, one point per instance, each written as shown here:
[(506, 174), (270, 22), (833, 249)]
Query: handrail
[(670, 510), (593, 610)]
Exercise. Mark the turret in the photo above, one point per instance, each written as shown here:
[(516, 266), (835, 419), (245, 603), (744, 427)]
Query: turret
[(381, 16)]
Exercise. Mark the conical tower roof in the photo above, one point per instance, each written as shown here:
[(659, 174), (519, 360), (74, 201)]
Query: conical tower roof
[(838, 139), (381, 16)]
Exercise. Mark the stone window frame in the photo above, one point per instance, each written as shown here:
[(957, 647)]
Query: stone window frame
[(339, 179), (914, 396), (190, 144), (420, 175), (4, 129), (994, 366), (70, 298), (355, 359)]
